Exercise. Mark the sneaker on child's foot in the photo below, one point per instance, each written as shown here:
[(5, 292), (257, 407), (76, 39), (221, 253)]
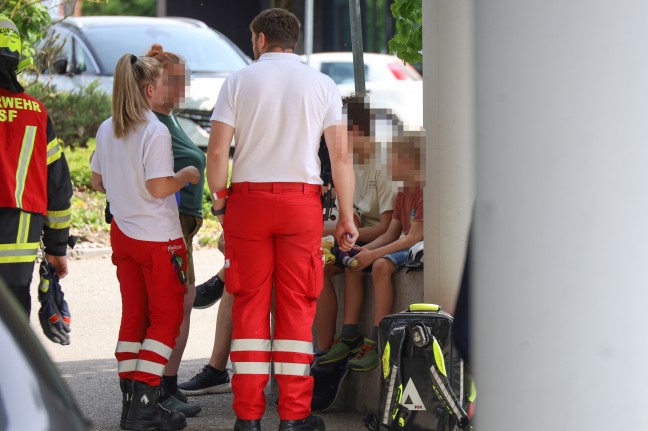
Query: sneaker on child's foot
[(207, 381), (366, 359), (341, 348), (209, 292)]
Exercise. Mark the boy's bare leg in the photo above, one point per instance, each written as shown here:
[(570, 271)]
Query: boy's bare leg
[(214, 378), (353, 296), (326, 316), (381, 275), (171, 368), (350, 339), (223, 336), (382, 270)]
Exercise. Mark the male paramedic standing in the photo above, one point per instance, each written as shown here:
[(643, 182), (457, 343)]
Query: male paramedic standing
[(277, 109)]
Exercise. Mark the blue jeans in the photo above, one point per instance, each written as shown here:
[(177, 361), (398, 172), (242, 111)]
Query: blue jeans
[(398, 258)]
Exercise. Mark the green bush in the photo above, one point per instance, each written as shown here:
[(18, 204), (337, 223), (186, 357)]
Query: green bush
[(79, 163), (88, 211), (77, 114)]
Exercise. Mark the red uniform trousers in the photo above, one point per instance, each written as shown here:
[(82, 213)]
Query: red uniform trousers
[(273, 234), (152, 298)]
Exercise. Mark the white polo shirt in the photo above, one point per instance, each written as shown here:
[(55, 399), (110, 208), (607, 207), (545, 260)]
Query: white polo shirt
[(279, 108), (125, 164)]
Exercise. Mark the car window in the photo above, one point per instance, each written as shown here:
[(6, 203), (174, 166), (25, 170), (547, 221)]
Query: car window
[(67, 46), (341, 72), (204, 49)]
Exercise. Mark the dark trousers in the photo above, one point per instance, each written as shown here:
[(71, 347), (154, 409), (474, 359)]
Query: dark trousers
[(19, 237)]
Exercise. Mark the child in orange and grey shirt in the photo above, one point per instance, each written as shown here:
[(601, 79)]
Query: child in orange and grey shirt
[(388, 253)]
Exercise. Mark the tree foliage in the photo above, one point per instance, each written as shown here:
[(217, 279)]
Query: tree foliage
[(407, 43), (119, 7), (32, 19)]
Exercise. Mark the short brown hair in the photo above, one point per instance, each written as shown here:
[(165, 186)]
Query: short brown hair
[(410, 145), (358, 113), (281, 28)]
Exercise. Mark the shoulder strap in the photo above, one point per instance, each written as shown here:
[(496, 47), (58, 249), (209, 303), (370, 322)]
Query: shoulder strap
[(391, 370)]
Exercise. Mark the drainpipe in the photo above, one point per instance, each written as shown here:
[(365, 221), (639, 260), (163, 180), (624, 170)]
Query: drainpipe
[(356, 46), (308, 36)]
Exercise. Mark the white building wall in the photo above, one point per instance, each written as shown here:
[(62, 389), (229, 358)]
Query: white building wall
[(561, 240), (448, 68)]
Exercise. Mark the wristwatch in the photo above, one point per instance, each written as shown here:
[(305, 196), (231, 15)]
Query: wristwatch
[(217, 212)]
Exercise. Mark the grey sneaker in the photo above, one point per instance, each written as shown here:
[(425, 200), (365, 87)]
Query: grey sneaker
[(207, 381), (175, 405)]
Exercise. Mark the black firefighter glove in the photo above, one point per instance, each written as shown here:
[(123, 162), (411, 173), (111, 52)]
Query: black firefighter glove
[(54, 314)]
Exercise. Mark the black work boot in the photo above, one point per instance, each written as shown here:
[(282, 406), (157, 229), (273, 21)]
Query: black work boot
[(146, 413), (127, 394), (247, 425), (311, 423)]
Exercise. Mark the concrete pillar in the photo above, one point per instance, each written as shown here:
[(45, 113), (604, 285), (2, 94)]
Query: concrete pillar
[(562, 215), (449, 122)]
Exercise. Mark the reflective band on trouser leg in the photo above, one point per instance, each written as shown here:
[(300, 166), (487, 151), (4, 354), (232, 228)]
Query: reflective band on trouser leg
[(289, 351), (23, 227), (23, 162), (54, 151), (151, 360), (250, 356), (18, 253), (58, 219), (289, 369), (126, 354), (292, 346), (251, 367), (248, 344)]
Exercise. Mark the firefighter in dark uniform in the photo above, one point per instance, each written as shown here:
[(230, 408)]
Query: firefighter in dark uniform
[(35, 186)]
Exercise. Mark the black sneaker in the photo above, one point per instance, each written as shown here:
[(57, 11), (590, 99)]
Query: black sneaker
[(207, 381), (209, 292)]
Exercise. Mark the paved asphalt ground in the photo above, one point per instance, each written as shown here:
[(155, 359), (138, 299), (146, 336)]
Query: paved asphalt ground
[(89, 367)]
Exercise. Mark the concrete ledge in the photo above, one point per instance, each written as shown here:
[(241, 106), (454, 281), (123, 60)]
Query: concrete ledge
[(360, 391)]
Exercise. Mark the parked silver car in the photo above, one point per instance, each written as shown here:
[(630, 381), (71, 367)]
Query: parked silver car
[(390, 83), (86, 49)]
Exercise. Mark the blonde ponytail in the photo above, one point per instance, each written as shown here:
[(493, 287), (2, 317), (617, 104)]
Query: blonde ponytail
[(129, 105)]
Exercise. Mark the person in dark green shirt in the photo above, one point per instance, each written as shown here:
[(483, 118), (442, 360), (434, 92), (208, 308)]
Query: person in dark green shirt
[(189, 198)]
